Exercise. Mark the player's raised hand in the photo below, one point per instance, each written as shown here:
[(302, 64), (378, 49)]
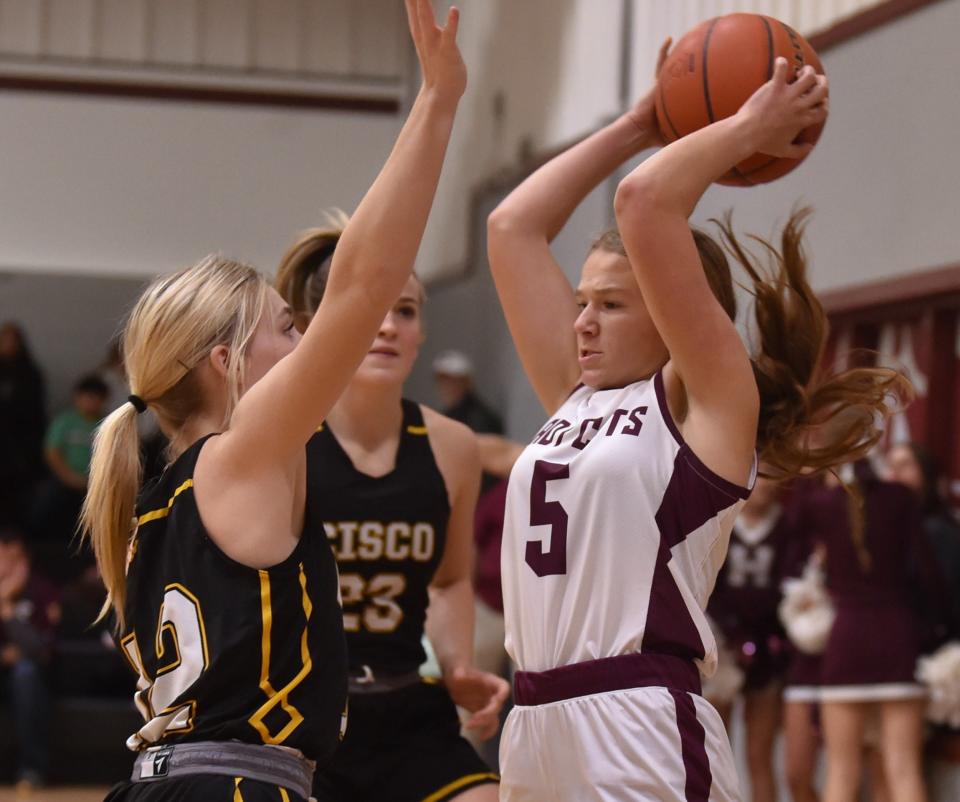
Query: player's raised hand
[(441, 64), (644, 114), (780, 110), (480, 693)]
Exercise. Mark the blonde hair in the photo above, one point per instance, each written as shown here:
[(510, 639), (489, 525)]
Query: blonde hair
[(305, 268), (171, 330)]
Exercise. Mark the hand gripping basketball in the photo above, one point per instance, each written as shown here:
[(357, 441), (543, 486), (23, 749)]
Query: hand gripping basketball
[(780, 110), (716, 67)]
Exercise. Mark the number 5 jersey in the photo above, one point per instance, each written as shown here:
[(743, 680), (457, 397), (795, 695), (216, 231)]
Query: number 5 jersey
[(614, 534)]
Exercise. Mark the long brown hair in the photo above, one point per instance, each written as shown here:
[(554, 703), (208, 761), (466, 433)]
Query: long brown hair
[(798, 396), (305, 269)]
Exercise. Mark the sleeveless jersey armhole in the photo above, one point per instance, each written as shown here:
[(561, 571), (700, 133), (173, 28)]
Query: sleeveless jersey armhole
[(725, 485)]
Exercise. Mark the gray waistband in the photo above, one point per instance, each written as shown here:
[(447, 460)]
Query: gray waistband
[(267, 764)]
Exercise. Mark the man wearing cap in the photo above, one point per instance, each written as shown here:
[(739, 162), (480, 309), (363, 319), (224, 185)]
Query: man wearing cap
[(453, 373)]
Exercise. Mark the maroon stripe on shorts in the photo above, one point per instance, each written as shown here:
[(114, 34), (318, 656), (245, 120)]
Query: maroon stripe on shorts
[(607, 674), (696, 764)]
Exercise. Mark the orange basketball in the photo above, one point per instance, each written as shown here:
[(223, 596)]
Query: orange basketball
[(712, 71)]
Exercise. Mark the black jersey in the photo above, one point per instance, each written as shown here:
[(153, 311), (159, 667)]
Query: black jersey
[(388, 534), (225, 651)]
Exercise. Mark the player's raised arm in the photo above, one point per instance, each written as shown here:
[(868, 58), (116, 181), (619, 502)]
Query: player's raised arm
[(537, 299), (372, 261), (653, 204)]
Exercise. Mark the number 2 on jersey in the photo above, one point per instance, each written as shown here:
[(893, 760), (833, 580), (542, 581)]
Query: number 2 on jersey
[(553, 561), (182, 656)]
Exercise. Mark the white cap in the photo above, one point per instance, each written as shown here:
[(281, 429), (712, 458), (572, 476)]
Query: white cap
[(452, 363)]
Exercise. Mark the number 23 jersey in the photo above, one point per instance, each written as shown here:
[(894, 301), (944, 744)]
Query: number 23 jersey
[(388, 535), (614, 534)]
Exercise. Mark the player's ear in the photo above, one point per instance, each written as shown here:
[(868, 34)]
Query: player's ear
[(218, 358)]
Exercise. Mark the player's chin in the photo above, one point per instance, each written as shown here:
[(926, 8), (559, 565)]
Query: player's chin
[(382, 371), (593, 378)]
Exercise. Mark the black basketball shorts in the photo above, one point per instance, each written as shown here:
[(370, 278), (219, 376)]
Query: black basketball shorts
[(405, 746)]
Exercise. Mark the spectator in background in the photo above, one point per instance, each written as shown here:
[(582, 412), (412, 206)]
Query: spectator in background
[(453, 374), (870, 658), (68, 446), (114, 376), (744, 606), (801, 693), (22, 422), (29, 613), (911, 464)]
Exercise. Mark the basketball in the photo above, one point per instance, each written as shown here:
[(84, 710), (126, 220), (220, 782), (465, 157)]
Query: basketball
[(715, 68)]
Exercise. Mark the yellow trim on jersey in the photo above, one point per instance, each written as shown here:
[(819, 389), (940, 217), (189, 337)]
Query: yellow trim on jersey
[(203, 626), (188, 703), (168, 627), (123, 650), (163, 512), (281, 697), (266, 612), (416, 430), (284, 797), (456, 785), (320, 428), (237, 796)]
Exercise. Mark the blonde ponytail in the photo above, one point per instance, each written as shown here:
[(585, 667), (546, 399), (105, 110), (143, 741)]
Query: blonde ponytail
[(108, 512), (176, 323)]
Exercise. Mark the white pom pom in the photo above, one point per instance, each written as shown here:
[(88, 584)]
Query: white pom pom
[(940, 672), (806, 610), (722, 687)]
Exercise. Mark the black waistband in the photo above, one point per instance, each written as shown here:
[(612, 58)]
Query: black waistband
[(366, 680)]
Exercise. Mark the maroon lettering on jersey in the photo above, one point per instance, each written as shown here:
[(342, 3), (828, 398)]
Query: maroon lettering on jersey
[(553, 432), (588, 430), (547, 513), (614, 420), (636, 422)]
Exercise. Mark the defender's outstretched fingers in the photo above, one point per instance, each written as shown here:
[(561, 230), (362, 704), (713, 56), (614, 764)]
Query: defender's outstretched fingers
[(427, 19), (413, 20), (453, 24)]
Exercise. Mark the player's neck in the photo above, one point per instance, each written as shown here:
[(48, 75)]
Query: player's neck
[(367, 414), (197, 426)]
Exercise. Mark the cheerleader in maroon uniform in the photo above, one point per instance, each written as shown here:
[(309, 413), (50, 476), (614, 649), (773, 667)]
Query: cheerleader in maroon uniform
[(870, 657), (744, 608), (801, 692)]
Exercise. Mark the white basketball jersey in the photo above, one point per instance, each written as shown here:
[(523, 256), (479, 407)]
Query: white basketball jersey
[(614, 534)]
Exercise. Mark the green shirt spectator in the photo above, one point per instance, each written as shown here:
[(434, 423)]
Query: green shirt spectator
[(69, 441), (71, 434)]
